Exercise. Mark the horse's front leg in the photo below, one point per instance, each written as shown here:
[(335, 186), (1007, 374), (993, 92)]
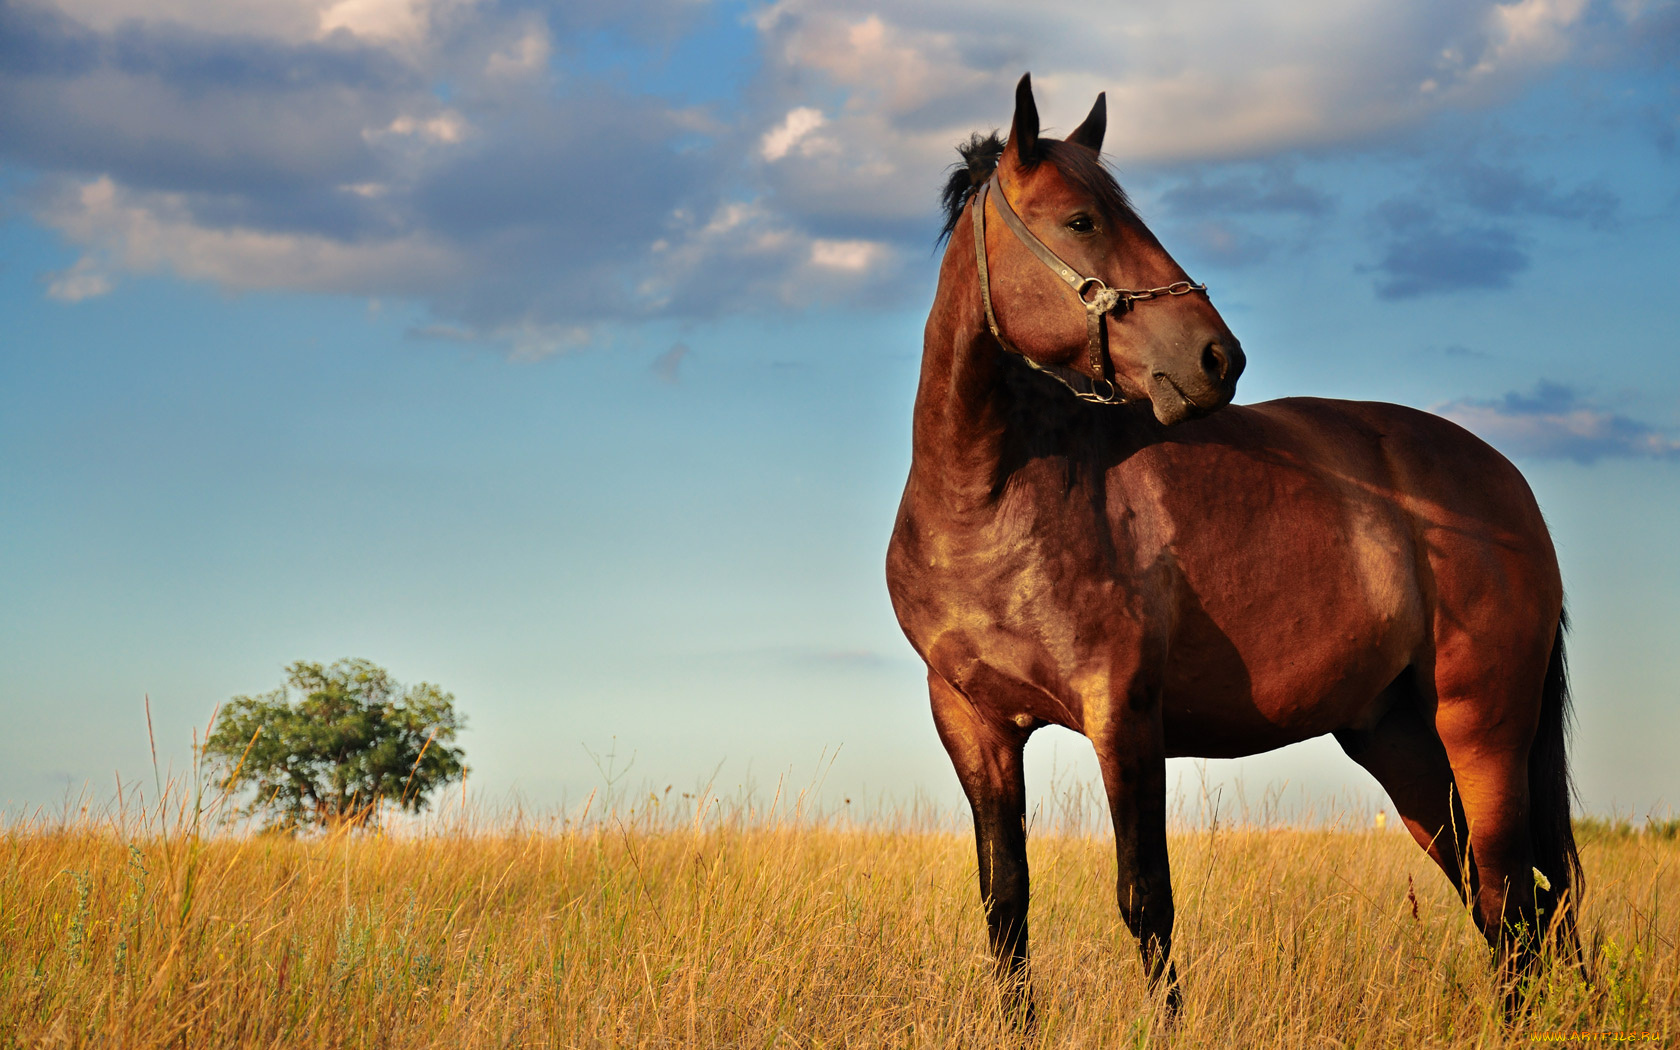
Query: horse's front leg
[(1132, 753), (988, 761)]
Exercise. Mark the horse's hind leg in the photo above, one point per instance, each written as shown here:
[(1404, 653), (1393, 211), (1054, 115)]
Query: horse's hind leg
[(1407, 758), (988, 762), (1487, 733)]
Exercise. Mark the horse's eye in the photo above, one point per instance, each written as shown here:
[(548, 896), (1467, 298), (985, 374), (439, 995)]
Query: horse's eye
[(1081, 224)]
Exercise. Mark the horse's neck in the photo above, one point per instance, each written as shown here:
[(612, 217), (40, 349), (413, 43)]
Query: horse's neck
[(962, 416), (980, 414)]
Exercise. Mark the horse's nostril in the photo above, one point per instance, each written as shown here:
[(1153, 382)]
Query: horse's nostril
[(1235, 362), (1215, 362)]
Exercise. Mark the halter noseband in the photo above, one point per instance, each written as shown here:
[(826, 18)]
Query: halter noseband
[(1099, 299)]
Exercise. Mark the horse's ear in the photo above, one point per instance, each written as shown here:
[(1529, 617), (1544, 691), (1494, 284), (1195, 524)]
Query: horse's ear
[(1090, 133), (1023, 131)]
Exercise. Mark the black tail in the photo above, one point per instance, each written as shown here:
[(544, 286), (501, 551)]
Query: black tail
[(1549, 796)]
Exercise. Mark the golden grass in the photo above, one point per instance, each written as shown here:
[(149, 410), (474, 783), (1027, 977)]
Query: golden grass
[(738, 931)]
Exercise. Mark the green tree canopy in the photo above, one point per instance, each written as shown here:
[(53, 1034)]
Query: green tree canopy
[(351, 742)]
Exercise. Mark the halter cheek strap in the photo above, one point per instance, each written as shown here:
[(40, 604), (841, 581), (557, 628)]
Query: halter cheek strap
[(1098, 298)]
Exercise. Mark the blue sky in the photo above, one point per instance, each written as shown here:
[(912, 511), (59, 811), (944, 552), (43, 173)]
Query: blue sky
[(563, 354)]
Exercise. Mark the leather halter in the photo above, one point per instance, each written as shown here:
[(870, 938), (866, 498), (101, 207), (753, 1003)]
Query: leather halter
[(1098, 298)]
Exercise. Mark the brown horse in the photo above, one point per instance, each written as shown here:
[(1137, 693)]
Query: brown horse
[(1172, 580)]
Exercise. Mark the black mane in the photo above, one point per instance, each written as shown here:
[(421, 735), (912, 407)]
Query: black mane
[(979, 159), (980, 154)]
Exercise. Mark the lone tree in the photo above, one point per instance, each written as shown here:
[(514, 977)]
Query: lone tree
[(352, 742)]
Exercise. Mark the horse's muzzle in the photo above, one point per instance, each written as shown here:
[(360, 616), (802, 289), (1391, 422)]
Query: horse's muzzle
[(1198, 390)]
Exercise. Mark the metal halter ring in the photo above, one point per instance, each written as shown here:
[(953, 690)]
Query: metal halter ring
[(1105, 298), (1111, 398)]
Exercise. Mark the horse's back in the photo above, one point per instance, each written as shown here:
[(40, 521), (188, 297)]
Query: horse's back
[(1436, 466), (1466, 503)]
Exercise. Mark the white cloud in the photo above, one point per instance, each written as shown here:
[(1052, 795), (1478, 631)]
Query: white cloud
[(447, 127), (84, 280), (402, 21), (899, 83), (899, 68), (391, 19), (1530, 31), (798, 124), (523, 57), (156, 233), (305, 144), (855, 256), (1195, 80), (1556, 422), (401, 24), (744, 253)]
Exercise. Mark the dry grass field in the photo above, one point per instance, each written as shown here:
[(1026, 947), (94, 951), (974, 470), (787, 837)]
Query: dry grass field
[(677, 924)]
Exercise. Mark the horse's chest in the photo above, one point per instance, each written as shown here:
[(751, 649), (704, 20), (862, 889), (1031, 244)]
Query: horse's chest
[(1016, 624)]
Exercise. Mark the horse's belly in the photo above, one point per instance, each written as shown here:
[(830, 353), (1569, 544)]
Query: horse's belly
[(1231, 723), (1317, 669), (1294, 631)]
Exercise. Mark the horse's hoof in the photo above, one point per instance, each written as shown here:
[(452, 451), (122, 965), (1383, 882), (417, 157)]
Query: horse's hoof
[(1175, 1002), (1023, 1017)]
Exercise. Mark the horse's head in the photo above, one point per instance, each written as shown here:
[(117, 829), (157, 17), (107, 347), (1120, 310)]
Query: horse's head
[(1159, 338)]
